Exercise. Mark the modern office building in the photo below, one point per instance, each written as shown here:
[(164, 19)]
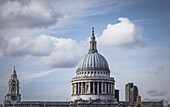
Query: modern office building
[(131, 92)]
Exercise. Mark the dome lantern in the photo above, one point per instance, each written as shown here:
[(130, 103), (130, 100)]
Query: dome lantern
[(93, 47)]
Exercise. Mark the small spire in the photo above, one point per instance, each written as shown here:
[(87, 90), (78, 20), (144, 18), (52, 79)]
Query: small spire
[(14, 70), (93, 47), (92, 31)]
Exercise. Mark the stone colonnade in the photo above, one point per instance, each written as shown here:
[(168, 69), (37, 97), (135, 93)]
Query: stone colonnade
[(80, 88)]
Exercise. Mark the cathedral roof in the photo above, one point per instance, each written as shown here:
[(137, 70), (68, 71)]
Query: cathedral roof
[(93, 60)]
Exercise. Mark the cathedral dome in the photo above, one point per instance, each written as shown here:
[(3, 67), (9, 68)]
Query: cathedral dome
[(93, 61), (93, 81)]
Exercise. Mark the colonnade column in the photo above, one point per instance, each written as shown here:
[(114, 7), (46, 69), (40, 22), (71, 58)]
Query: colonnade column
[(105, 87), (97, 87), (81, 88), (72, 88), (111, 88), (108, 88), (85, 88), (89, 87), (93, 87), (78, 88)]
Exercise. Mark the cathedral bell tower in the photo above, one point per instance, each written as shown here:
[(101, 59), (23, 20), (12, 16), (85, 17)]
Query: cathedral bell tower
[(13, 97)]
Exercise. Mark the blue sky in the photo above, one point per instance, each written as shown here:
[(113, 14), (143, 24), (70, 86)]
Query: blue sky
[(45, 41)]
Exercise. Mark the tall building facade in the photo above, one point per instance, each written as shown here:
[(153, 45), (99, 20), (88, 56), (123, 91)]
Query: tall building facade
[(131, 92)]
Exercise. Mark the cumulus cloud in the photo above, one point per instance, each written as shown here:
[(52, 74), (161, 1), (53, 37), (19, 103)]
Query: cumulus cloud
[(124, 34), (34, 14), (154, 92), (65, 52), (54, 52), (40, 46)]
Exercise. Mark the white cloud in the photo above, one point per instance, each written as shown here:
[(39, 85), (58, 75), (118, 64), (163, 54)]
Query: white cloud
[(54, 52), (39, 46), (33, 14), (63, 53), (124, 34), (67, 54), (36, 13)]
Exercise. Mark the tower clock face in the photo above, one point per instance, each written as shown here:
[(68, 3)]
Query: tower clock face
[(13, 97)]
